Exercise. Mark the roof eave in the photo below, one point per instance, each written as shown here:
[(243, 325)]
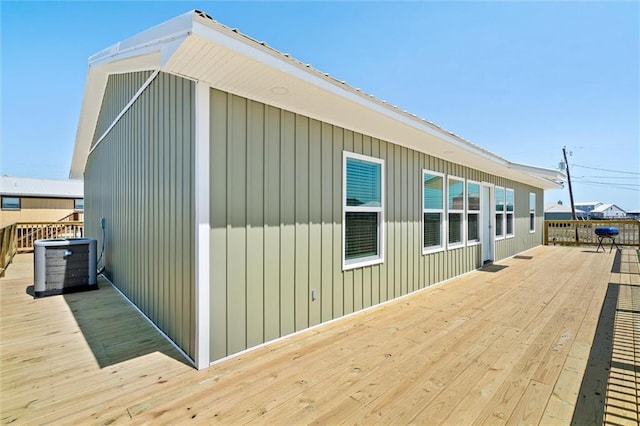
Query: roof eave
[(153, 50)]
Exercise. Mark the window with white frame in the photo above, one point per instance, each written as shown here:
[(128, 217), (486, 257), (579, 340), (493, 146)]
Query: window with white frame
[(78, 204), (432, 211), (532, 212), (499, 212), (509, 207), (363, 207), (473, 212), (455, 211)]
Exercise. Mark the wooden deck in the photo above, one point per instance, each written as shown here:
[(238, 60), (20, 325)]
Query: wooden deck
[(548, 337)]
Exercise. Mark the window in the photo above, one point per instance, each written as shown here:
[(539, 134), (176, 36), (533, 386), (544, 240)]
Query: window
[(473, 212), (432, 211), (10, 203), (78, 204), (455, 211), (499, 212), (509, 212), (363, 209), (532, 212)]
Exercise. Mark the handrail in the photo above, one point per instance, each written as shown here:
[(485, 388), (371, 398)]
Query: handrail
[(28, 232), (582, 232), (8, 247), (19, 237)]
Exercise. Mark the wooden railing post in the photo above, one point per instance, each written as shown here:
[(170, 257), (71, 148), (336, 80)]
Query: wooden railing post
[(546, 232), (7, 246)]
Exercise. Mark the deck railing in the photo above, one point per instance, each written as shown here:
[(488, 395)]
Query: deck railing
[(582, 232), (8, 247), (19, 237), (28, 232)]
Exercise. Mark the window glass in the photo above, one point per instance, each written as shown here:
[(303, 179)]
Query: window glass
[(78, 204), (532, 212), (432, 230), (510, 200), (361, 235), (473, 195), (456, 194), (363, 183), (499, 199), (473, 227), (499, 230), (455, 228), (11, 203), (433, 198)]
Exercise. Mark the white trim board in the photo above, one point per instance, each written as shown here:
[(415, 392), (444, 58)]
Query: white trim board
[(202, 230)]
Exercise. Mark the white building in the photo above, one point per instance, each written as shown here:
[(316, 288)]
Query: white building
[(608, 211)]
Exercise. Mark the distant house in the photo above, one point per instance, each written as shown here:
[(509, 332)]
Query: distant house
[(608, 211), (588, 206), (248, 196), (562, 212), (39, 200), (634, 214)]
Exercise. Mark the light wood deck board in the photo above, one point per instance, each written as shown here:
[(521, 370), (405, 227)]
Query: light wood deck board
[(510, 346)]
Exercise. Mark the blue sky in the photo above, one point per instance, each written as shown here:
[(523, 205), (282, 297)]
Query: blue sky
[(521, 79)]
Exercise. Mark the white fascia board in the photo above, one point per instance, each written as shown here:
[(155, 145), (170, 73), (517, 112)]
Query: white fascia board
[(233, 42), (553, 178), (173, 28), (165, 45)]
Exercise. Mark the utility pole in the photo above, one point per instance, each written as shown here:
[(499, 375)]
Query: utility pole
[(573, 206)]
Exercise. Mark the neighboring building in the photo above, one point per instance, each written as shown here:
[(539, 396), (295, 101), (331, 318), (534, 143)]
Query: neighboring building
[(608, 211), (562, 212), (248, 196), (633, 214), (588, 206), (39, 200)]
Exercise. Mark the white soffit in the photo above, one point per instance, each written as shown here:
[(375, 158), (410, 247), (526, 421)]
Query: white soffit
[(199, 48)]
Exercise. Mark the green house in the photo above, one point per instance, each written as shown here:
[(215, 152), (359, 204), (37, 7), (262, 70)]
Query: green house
[(247, 196)]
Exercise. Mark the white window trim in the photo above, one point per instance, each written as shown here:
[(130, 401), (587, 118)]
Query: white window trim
[(504, 208), (366, 261), (532, 231), (462, 212), (443, 216), (507, 213), (478, 212)]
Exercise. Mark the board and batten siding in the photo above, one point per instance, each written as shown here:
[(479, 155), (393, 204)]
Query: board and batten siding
[(140, 178), (276, 224)]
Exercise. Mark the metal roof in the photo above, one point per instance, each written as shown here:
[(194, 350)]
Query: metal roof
[(34, 187), (195, 46), (560, 208), (604, 207)]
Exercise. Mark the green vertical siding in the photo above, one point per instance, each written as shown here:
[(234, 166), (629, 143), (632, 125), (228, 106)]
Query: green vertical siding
[(119, 91), (140, 179), (276, 224)]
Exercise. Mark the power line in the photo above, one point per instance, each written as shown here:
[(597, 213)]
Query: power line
[(606, 177), (606, 170), (627, 186)]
